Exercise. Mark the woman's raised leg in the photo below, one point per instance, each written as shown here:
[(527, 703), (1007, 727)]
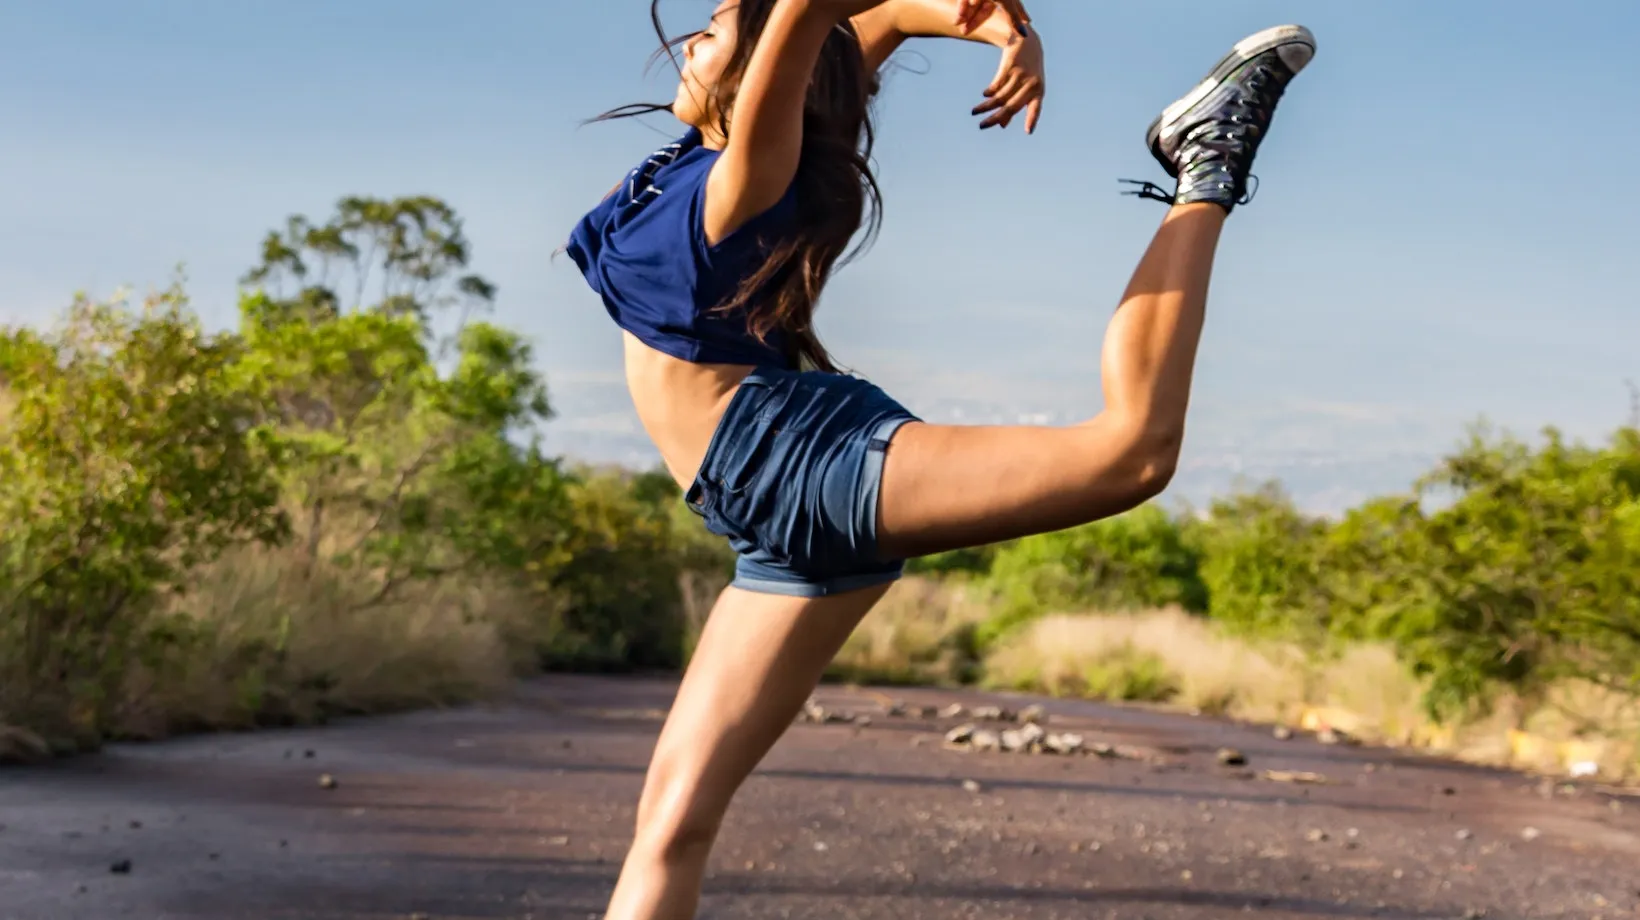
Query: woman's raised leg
[(951, 486), (946, 487), (758, 659)]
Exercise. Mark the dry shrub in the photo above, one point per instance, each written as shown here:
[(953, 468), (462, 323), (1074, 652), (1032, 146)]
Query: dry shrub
[(1171, 657), (269, 639), (921, 632), (698, 591), (1161, 656)]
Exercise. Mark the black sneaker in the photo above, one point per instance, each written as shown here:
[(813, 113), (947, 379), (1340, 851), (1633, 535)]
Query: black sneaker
[(1207, 140)]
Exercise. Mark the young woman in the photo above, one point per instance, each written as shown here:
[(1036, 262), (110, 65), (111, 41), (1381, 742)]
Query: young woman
[(711, 257)]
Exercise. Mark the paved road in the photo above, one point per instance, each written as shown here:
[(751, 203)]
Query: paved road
[(523, 810)]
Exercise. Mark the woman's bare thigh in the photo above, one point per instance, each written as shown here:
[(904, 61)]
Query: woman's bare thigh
[(952, 486)]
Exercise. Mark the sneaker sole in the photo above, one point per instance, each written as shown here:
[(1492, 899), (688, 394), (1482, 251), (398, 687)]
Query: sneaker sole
[(1245, 50)]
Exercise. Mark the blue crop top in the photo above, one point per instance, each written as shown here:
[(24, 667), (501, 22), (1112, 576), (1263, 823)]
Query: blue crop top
[(643, 250)]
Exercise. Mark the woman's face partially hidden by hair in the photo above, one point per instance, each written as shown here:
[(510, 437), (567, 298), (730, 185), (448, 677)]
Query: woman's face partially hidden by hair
[(706, 56)]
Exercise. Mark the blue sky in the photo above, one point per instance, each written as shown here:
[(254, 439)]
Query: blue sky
[(1445, 226)]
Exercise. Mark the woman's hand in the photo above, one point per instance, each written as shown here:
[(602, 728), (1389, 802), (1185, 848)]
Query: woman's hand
[(973, 13), (1020, 84)]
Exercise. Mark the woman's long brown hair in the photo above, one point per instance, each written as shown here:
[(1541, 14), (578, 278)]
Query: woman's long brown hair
[(836, 191)]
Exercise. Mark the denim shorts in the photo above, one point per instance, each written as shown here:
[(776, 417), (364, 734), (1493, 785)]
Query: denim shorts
[(792, 477)]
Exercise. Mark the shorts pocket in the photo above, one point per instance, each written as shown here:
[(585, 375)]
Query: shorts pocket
[(738, 468), (760, 495)]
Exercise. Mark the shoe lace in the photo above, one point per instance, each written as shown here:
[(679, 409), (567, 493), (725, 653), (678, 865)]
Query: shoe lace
[(1156, 193), (1147, 190)]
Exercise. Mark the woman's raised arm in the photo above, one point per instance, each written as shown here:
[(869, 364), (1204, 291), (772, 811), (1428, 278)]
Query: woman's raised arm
[(1020, 82)]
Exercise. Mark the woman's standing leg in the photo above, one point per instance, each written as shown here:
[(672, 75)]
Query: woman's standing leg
[(759, 658)]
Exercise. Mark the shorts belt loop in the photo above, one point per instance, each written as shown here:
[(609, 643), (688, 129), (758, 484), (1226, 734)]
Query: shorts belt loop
[(696, 499), (880, 439)]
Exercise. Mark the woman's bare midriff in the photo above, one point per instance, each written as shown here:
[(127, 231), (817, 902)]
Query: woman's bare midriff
[(679, 403)]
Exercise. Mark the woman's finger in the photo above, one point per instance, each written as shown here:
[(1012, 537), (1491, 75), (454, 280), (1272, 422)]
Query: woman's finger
[(1033, 114), (991, 104), (1000, 97), (1005, 71), (998, 119), (1015, 101)]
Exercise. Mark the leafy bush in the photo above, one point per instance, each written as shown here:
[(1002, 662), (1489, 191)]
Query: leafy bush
[(619, 574), (1136, 561), (128, 457), (1258, 558), (1529, 574)]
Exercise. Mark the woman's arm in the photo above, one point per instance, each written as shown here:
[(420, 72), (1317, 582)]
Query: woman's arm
[(883, 30), (760, 157), (1020, 82)]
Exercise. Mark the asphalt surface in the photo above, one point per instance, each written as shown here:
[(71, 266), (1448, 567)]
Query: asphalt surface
[(523, 810)]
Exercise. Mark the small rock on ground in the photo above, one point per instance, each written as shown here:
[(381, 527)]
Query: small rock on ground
[(1063, 743)]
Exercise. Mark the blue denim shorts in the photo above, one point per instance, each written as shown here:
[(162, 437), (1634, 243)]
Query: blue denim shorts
[(792, 477)]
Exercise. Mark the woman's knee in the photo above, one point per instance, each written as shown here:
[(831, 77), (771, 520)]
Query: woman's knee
[(679, 814), (678, 835)]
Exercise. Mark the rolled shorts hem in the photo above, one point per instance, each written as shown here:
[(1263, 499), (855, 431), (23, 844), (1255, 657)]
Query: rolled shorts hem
[(825, 588), (872, 475)]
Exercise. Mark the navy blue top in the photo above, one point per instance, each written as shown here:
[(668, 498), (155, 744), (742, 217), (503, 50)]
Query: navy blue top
[(643, 249)]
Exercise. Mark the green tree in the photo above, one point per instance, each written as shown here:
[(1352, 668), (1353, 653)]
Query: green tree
[(401, 256), (1528, 572), (128, 456), (400, 469)]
